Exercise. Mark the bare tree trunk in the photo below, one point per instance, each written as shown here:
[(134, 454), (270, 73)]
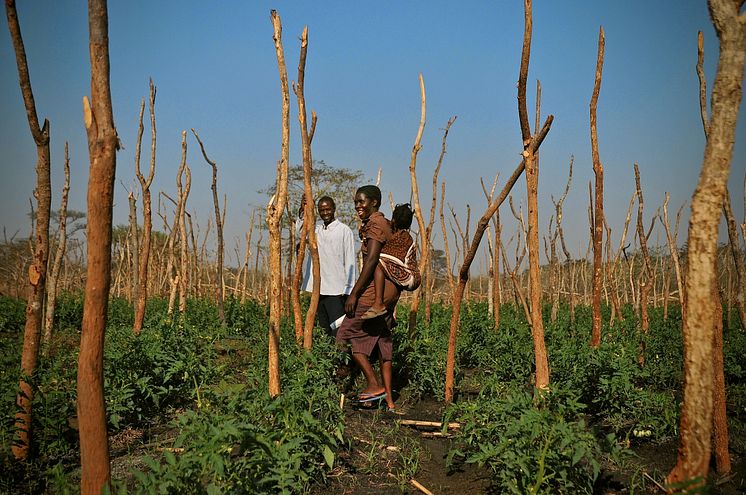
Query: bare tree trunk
[(719, 418), (469, 256), (531, 146), (646, 277), (300, 257), (494, 261), (532, 240), (134, 247), (598, 212), (102, 146), (425, 263), (696, 413), (674, 250), (449, 274), (738, 260), (183, 243), (616, 310), (246, 259), (274, 217), (555, 273), (59, 254), (415, 194), (147, 222), (219, 293), (309, 213), (496, 295), (37, 273)]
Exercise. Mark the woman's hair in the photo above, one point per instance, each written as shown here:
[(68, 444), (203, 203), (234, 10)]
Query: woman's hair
[(371, 192), (401, 218)]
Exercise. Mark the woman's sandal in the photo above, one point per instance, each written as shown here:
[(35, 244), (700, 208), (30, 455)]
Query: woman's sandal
[(373, 313), (370, 397)]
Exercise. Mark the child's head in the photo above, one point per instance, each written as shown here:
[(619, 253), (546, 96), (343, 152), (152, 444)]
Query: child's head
[(401, 218)]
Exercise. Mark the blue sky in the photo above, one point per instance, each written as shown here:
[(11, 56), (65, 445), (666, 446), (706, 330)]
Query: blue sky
[(215, 68)]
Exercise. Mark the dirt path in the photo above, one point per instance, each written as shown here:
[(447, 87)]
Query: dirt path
[(384, 456)]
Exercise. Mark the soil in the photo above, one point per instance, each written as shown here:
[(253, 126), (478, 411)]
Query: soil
[(379, 446), (383, 456)]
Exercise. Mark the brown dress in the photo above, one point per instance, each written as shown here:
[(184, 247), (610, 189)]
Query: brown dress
[(365, 335)]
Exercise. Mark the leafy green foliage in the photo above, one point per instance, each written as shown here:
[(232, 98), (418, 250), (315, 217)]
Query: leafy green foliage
[(531, 444), (155, 370), (12, 315), (246, 442)]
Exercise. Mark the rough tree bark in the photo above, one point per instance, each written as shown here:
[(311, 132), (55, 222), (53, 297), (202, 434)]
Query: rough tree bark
[(673, 249), (531, 161), (554, 265), (309, 213), (696, 412), (54, 274), (219, 293), (147, 220), (719, 415), (646, 277), (494, 264), (37, 274), (738, 259), (531, 145), (134, 248), (183, 244), (425, 265), (446, 249), (102, 146), (275, 207), (424, 246), (598, 211)]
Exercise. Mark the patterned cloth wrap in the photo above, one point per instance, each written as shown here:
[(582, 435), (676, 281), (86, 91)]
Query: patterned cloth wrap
[(399, 260)]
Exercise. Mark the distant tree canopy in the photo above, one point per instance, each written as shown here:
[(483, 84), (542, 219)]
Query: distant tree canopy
[(338, 183)]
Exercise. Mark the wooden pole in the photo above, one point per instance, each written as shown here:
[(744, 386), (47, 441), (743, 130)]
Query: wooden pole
[(102, 146)]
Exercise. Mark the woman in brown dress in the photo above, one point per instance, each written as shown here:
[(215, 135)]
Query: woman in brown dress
[(367, 336)]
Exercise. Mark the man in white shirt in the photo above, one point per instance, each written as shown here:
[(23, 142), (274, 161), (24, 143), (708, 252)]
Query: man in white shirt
[(338, 266)]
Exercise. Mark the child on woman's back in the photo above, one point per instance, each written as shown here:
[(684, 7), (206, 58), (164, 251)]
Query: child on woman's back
[(398, 260)]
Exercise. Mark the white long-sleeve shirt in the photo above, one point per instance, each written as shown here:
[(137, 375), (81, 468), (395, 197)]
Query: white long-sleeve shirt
[(337, 260)]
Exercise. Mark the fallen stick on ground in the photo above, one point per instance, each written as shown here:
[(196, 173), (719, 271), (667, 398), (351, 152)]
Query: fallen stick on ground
[(420, 487), (663, 489), (434, 434), (429, 424)]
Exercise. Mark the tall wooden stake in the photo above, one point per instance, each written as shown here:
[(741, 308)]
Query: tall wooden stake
[(219, 293), (147, 215), (598, 212), (275, 207), (37, 274), (102, 146)]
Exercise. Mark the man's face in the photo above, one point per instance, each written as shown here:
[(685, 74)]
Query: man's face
[(326, 212)]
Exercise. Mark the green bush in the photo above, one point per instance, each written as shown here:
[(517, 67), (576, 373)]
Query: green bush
[(532, 444), (421, 361), (243, 441), (12, 314), (160, 368), (68, 313)]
